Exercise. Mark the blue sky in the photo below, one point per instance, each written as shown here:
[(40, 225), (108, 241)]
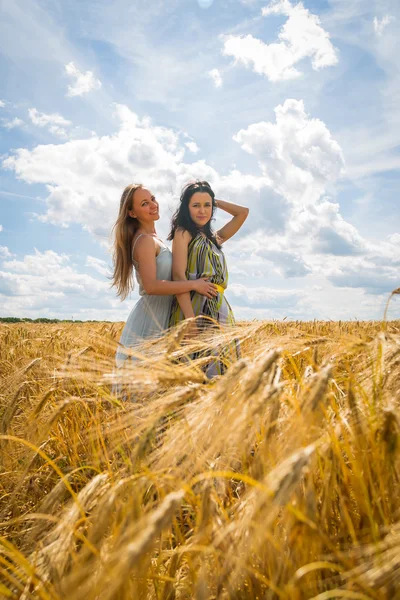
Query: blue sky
[(290, 108)]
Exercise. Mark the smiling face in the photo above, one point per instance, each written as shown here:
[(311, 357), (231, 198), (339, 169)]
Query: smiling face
[(144, 206), (200, 208)]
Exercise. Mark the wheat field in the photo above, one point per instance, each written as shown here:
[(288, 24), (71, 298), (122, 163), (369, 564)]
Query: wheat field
[(278, 480)]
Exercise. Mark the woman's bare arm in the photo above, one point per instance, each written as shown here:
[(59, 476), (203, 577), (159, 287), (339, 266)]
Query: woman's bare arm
[(239, 214), (179, 264), (145, 252)]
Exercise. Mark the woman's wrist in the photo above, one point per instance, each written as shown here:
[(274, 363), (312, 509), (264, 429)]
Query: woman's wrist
[(196, 285)]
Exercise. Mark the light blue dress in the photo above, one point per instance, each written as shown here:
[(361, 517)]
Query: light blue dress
[(150, 315)]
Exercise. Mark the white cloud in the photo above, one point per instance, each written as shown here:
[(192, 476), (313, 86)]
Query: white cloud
[(47, 284), (216, 77), (11, 124), (192, 146), (297, 157), (54, 122), (98, 265), (320, 245), (365, 274), (297, 154), (84, 82), (270, 210), (39, 263), (85, 177), (293, 230), (1, 227), (380, 25), (2, 104), (374, 268), (263, 297), (44, 120), (4, 252), (325, 230), (394, 239), (284, 261), (302, 36)]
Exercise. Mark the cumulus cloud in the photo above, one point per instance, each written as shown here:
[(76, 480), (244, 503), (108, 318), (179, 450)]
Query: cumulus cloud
[(264, 256), (4, 252), (270, 210), (325, 230), (263, 297), (302, 36), (364, 274), (381, 24), (192, 146), (85, 178), (216, 77), (297, 154), (48, 284), (38, 263), (285, 262), (331, 241), (394, 239), (84, 82), (12, 123), (98, 265), (297, 157), (293, 229), (371, 267), (54, 122)]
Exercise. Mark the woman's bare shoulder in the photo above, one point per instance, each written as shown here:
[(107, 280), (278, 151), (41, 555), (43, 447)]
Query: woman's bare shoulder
[(183, 233), (144, 243), (143, 239)]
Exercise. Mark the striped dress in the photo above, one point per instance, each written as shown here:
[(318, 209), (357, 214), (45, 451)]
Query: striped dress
[(206, 260)]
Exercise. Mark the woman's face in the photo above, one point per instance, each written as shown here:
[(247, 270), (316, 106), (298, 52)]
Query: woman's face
[(200, 208), (144, 206)]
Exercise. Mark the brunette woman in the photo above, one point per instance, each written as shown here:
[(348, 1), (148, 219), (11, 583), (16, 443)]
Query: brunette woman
[(197, 252)]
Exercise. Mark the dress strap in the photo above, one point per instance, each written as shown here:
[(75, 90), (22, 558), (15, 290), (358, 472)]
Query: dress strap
[(134, 243), (163, 243), (140, 235)]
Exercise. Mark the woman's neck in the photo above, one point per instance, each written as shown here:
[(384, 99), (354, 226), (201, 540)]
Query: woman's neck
[(147, 229)]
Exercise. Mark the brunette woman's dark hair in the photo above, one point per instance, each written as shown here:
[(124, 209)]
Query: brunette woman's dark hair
[(182, 218)]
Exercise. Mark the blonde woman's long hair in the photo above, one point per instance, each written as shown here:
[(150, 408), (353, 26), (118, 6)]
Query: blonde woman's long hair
[(124, 231)]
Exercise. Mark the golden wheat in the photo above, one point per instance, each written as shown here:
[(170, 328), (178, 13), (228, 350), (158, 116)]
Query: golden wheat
[(279, 480)]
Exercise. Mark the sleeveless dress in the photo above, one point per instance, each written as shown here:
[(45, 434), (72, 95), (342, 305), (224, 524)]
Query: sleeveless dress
[(206, 260), (150, 315)]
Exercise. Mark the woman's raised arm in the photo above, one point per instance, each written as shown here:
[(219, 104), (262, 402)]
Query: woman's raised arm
[(239, 214)]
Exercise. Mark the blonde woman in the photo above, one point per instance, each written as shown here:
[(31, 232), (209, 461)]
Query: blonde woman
[(138, 249)]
